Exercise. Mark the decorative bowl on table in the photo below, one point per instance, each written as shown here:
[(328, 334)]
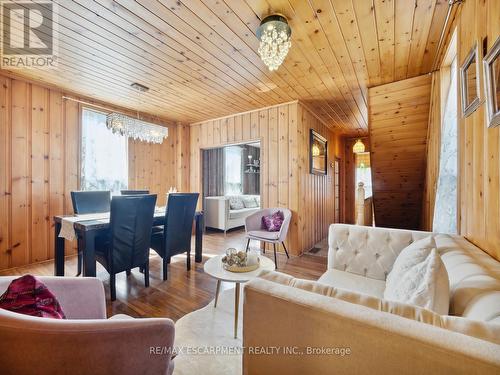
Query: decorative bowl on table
[(240, 261)]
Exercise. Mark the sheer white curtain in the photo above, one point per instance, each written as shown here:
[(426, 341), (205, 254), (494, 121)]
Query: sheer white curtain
[(445, 210), (233, 170), (104, 155)]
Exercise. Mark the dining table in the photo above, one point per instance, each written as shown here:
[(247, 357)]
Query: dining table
[(87, 230)]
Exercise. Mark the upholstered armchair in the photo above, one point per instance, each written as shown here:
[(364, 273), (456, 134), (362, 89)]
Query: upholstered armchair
[(86, 342), (254, 230)]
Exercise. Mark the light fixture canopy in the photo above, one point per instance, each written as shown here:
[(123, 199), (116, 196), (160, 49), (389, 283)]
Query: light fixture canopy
[(135, 128), (274, 35), (358, 147)]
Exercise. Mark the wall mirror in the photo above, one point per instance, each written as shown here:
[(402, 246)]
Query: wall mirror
[(492, 84), (469, 74), (318, 151)]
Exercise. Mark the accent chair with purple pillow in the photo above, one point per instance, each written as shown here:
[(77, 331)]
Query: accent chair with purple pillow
[(269, 225)]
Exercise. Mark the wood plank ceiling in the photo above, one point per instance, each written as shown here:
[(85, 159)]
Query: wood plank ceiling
[(199, 57)]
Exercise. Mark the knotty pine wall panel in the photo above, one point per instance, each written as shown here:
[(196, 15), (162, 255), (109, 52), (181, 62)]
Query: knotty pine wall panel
[(39, 166), (398, 116), (479, 146), (283, 132)]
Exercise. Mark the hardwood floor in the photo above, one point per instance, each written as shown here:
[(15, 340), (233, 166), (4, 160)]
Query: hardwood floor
[(184, 291)]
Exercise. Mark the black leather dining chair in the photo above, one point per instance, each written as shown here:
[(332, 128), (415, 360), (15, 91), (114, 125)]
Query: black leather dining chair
[(131, 221), (175, 238), (134, 192), (89, 202)]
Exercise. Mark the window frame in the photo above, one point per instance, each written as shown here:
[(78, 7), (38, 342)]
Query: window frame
[(81, 111)]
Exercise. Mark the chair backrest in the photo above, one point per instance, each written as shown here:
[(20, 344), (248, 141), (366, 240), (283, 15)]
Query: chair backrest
[(91, 202), (131, 221), (53, 341), (134, 192), (179, 217), (254, 221)]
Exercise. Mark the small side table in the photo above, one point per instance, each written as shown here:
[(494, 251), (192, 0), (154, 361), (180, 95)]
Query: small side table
[(214, 268)]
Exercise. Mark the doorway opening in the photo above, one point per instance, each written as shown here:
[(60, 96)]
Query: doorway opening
[(231, 184)]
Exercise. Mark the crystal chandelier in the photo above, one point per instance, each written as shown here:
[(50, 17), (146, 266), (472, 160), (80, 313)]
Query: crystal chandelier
[(135, 128), (274, 35)]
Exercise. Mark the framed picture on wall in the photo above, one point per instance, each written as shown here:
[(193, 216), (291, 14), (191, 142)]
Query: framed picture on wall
[(469, 82), (491, 66), (318, 153)]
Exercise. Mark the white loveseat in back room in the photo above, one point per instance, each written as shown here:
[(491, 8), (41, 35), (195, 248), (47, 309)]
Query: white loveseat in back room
[(228, 212), (345, 312)]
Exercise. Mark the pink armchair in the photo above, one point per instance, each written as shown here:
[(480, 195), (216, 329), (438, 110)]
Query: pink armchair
[(86, 342), (254, 231)]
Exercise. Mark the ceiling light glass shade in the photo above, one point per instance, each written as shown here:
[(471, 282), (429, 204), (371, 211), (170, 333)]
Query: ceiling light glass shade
[(358, 147), (274, 35), (135, 128)]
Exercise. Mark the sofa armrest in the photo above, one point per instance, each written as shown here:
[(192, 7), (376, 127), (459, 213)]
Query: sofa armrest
[(80, 297), (367, 251), (314, 334), (127, 347), (216, 212)]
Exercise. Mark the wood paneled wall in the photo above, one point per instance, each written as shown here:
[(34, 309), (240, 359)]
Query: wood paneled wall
[(39, 166), (316, 203), (479, 146), (398, 119), (285, 180)]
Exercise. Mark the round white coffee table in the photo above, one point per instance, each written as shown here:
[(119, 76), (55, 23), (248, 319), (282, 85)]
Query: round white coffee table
[(214, 268)]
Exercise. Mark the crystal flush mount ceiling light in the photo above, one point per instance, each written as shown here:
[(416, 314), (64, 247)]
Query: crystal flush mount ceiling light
[(274, 35)]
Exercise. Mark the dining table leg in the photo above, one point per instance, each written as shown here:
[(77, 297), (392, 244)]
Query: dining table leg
[(236, 308), (58, 251), (89, 263), (198, 247)]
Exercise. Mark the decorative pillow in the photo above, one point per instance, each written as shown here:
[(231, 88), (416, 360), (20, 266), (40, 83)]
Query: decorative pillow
[(257, 199), (419, 277), (235, 203), (273, 223), (29, 296), (250, 202)]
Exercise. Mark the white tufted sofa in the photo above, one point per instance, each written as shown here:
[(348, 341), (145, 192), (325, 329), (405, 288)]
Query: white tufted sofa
[(345, 308), (361, 257)]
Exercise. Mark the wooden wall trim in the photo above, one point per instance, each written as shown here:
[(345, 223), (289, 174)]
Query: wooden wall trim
[(244, 112), (90, 102)]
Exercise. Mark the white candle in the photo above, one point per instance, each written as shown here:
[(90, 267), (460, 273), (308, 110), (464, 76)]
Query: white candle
[(252, 258)]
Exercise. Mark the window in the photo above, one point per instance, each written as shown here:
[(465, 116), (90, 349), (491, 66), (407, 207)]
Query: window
[(104, 158), (445, 210), (364, 172), (233, 183)]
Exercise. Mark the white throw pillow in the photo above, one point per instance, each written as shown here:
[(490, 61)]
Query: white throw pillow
[(250, 202), (236, 203), (419, 277)]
